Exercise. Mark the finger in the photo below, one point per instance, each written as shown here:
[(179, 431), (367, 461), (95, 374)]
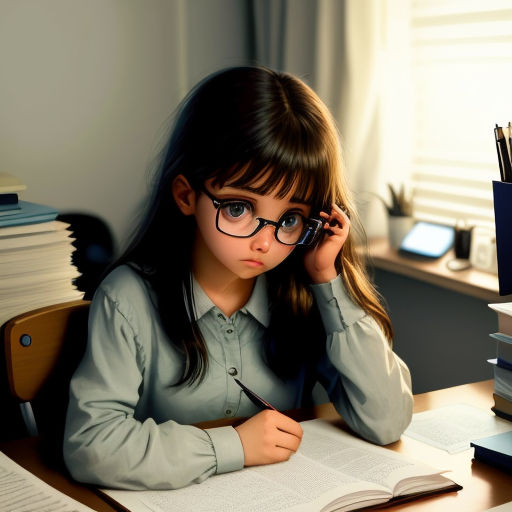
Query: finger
[(340, 214), (281, 454), (286, 424), (337, 217), (288, 441), (335, 225), (341, 209)]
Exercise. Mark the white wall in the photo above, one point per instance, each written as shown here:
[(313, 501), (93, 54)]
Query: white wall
[(87, 89)]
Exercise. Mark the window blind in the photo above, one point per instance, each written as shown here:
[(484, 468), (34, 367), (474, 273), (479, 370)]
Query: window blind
[(461, 67)]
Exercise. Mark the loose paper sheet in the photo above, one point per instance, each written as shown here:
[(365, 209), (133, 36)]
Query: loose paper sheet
[(21, 491), (453, 427)]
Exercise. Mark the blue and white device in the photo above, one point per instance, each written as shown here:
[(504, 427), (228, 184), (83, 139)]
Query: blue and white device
[(428, 239)]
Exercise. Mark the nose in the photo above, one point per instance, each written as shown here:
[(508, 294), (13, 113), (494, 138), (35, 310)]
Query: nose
[(263, 239)]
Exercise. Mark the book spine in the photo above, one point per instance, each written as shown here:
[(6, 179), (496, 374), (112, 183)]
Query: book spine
[(8, 199), (505, 323), (501, 414)]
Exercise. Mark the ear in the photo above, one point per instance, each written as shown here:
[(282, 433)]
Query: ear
[(184, 195)]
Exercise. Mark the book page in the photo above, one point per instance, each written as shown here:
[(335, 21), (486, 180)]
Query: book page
[(31, 254), (502, 307), (292, 486), (347, 454), (452, 427), (35, 239), (331, 466), (21, 491), (41, 227)]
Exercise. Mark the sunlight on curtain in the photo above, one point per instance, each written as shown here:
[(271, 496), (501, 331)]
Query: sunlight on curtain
[(355, 54), (462, 68), (375, 112)]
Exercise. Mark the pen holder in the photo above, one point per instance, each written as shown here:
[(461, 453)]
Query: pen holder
[(503, 220)]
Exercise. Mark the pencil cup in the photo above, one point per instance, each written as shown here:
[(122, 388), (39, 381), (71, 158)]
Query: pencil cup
[(398, 227), (462, 242), (502, 192)]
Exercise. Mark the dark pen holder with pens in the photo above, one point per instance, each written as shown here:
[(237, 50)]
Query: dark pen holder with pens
[(502, 192)]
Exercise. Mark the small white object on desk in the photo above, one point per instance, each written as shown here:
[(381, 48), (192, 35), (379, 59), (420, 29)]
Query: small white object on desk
[(458, 264)]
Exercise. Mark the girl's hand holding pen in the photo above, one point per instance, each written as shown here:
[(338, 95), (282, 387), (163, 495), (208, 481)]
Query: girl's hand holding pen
[(269, 437), (319, 261)]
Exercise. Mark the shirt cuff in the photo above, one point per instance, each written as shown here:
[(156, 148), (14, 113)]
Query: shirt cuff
[(335, 305), (228, 449)]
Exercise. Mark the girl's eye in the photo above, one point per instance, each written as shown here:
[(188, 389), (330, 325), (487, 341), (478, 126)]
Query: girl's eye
[(236, 209), (291, 222)]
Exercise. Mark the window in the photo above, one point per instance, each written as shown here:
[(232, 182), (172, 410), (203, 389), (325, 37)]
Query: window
[(461, 69)]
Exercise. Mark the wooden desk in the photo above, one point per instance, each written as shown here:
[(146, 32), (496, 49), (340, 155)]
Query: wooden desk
[(471, 281), (483, 485)]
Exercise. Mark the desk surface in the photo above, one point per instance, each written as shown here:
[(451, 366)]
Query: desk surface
[(472, 282), (483, 486)]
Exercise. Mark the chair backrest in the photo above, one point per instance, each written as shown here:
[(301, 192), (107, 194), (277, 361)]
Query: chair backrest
[(42, 349)]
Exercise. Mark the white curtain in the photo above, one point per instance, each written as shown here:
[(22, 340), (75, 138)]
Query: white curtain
[(350, 52)]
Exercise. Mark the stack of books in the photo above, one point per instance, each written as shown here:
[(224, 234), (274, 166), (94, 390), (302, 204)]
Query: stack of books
[(35, 254), (502, 364), (497, 449)]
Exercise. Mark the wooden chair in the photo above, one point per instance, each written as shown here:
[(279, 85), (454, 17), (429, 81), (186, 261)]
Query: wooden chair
[(42, 349)]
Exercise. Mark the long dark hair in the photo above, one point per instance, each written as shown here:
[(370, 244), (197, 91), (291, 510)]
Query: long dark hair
[(236, 126)]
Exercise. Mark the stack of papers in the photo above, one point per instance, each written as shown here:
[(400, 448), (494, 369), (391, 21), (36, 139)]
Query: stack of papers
[(35, 267), (20, 491), (502, 364)]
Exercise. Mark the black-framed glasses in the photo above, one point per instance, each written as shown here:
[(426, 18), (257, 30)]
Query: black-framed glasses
[(236, 217)]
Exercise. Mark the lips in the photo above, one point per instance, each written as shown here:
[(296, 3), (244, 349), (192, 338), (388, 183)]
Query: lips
[(253, 263)]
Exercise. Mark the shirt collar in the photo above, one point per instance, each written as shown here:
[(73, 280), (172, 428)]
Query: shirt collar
[(257, 305)]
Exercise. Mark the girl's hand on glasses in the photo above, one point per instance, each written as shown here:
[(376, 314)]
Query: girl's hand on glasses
[(319, 260)]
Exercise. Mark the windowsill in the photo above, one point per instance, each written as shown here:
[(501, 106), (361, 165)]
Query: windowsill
[(472, 282)]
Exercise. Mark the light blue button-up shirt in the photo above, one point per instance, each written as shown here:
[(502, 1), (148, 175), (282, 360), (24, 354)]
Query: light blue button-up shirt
[(129, 427)]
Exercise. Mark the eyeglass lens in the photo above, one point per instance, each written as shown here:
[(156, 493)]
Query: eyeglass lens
[(237, 218)]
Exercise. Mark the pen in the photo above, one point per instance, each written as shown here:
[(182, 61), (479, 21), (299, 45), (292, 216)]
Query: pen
[(503, 158), (509, 142), (254, 398)]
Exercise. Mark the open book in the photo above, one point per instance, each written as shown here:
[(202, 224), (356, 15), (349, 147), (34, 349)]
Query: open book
[(332, 471)]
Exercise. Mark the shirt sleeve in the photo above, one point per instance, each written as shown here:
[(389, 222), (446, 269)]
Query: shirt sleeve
[(105, 444), (369, 385)]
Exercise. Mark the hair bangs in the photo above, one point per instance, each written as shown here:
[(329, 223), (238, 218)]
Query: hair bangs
[(306, 177)]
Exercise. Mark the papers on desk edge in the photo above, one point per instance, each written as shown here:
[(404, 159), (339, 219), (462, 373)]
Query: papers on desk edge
[(21, 490), (453, 427), (332, 471)]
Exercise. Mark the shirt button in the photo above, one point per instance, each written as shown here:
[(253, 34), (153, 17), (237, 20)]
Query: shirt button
[(228, 411), (229, 331), (233, 371)]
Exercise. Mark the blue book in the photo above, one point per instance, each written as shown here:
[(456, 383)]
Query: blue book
[(9, 202), (495, 450), (27, 213), (7, 199)]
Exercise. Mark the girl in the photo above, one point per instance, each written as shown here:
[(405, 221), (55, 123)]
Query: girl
[(224, 279)]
